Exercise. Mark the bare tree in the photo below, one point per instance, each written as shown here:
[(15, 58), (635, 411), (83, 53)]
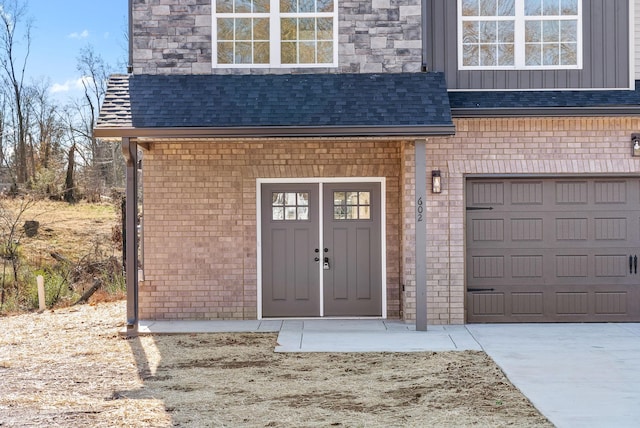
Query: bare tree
[(103, 167), (15, 43), (48, 128)]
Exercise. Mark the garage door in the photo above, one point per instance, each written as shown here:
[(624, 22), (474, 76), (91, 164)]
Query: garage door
[(553, 250)]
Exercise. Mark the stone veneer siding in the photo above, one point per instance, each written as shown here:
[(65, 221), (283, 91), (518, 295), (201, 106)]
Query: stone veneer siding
[(200, 217), (375, 36)]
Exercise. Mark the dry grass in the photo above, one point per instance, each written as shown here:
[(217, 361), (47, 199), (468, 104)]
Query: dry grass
[(73, 231), (70, 368)]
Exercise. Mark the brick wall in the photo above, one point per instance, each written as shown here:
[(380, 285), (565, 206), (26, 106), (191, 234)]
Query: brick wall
[(174, 37), (200, 214), (200, 218), (551, 146)]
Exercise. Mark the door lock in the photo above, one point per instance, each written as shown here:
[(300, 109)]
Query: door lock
[(326, 264)]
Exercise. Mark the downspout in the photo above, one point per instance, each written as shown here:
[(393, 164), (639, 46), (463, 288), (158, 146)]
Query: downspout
[(423, 25), (130, 152), (130, 64)]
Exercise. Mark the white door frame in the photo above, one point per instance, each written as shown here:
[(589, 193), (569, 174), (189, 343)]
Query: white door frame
[(320, 181)]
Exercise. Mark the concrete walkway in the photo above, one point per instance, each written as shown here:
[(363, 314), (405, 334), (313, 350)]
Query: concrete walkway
[(577, 375)]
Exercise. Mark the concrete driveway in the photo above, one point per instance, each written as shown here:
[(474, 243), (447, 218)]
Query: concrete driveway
[(577, 375)]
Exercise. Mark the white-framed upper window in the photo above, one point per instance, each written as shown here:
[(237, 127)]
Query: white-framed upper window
[(519, 34), (275, 33)]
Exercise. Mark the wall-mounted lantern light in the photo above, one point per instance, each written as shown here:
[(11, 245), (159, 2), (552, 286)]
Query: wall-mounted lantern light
[(635, 141), (436, 181)]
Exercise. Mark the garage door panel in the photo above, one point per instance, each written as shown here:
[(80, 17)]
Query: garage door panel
[(611, 303), (571, 229), (571, 192), (531, 303), (527, 229), (572, 303), (553, 250), (487, 193), (613, 265), (610, 192), (610, 228), (488, 304), (487, 230), (527, 266), (527, 193)]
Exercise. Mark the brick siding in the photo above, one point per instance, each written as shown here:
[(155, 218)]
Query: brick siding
[(509, 146), (200, 218), (200, 213)]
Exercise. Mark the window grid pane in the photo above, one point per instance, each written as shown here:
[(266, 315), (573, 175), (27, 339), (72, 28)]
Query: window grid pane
[(306, 37), (550, 37), (352, 205), (290, 206)]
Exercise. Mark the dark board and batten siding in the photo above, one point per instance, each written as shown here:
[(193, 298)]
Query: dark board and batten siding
[(605, 52)]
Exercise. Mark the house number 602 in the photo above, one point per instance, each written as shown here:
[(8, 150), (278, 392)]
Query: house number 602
[(420, 209)]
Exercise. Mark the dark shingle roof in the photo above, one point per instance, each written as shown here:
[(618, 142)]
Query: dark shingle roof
[(565, 102), (322, 104)]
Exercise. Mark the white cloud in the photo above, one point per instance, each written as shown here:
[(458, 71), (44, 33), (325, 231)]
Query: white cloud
[(83, 35), (68, 86), (60, 87)]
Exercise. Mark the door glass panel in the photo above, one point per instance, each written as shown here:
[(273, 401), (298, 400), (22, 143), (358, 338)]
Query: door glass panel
[(277, 199), (290, 206), (365, 198), (352, 205), (303, 199), (290, 199), (303, 213), (290, 213), (278, 213)]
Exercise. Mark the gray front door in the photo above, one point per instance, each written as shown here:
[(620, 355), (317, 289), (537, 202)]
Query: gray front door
[(290, 245), (345, 268), (352, 283)]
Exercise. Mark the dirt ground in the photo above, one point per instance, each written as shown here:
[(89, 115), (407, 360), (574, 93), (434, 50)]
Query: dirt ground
[(70, 368)]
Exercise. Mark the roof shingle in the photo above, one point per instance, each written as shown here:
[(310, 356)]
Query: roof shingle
[(416, 101)]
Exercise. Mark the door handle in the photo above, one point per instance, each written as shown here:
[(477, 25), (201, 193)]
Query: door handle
[(326, 264), (630, 264), (635, 264)]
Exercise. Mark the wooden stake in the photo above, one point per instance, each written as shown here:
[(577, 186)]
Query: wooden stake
[(41, 295)]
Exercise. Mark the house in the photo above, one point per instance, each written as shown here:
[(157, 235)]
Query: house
[(439, 162)]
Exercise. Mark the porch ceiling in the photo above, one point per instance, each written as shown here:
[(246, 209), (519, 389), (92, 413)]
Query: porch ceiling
[(304, 105)]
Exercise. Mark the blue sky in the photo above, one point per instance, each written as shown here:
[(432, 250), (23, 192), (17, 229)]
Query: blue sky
[(61, 28)]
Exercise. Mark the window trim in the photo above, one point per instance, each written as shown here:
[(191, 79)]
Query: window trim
[(275, 43), (519, 45)]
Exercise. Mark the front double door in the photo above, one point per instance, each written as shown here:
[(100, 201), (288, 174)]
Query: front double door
[(321, 249)]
